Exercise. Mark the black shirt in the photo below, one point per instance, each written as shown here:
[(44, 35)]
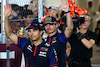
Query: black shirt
[(78, 50)]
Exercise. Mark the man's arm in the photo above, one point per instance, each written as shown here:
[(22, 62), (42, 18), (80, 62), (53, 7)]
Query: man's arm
[(8, 30), (69, 28), (88, 43), (69, 22)]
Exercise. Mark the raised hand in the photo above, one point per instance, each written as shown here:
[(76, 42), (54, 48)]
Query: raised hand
[(64, 6), (7, 10)]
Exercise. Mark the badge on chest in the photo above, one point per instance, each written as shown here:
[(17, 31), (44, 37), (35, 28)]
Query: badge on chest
[(43, 51), (29, 48), (54, 40)]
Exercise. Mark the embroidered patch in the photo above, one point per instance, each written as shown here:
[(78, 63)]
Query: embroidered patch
[(29, 48), (54, 40), (44, 49), (41, 53), (47, 44)]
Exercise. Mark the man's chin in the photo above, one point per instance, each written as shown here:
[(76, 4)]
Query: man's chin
[(84, 27), (33, 40), (50, 33)]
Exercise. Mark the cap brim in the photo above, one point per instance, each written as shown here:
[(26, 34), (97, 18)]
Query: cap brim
[(50, 22), (30, 28)]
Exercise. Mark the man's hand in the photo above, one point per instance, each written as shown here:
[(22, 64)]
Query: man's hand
[(64, 6), (7, 10)]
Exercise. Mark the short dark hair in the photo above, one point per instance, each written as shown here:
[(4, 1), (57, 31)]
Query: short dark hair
[(14, 5), (89, 2), (26, 13), (87, 15), (98, 22), (49, 8)]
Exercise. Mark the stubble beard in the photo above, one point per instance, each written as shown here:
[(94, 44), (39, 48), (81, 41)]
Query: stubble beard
[(85, 28)]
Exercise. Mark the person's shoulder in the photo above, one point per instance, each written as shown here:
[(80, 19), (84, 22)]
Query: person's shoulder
[(23, 39), (92, 33), (60, 33)]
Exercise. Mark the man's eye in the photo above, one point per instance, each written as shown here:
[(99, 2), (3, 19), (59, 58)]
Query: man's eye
[(48, 23), (35, 30), (51, 23), (45, 24), (28, 30)]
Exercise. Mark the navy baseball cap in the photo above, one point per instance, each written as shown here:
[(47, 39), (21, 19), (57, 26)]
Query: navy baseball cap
[(34, 25), (50, 20)]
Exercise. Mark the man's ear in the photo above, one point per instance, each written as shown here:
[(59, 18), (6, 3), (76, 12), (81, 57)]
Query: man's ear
[(89, 22), (41, 32)]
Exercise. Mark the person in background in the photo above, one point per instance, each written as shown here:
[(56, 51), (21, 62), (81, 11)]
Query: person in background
[(55, 12), (28, 16), (97, 30), (91, 13), (15, 8), (31, 6), (25, 7), (97, 13), (97, 17), (15, 24), (81, 44), (37, 52)]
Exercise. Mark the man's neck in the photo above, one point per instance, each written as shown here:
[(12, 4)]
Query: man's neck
[(38, 42), (83, 31), (51, 34)]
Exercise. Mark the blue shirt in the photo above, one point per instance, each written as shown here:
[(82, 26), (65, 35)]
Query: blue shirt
[(58, 41), (38, 56)]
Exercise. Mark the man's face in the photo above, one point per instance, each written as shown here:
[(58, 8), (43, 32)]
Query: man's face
[(90, 4), (51, 28), (28, 21), (86, 23), (35, 34), (50, 11)]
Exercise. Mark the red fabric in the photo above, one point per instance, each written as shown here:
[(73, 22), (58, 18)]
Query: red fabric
[(35, 50), (2, 47), (13, 62)]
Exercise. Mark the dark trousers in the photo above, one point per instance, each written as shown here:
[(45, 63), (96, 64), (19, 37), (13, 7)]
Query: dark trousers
[(81, 63)]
